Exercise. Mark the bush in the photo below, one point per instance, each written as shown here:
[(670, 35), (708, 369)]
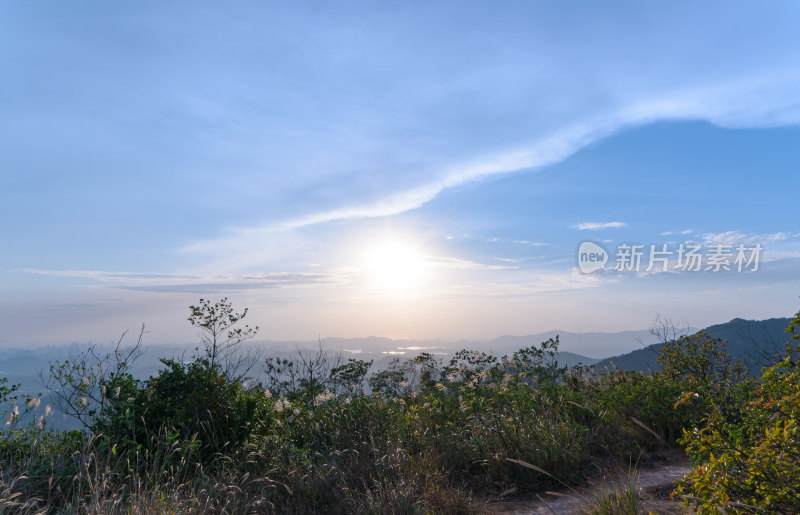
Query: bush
[(192, 403), (751, 465)]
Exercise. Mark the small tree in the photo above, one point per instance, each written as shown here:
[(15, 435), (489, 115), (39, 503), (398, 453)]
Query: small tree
[(219, 337), (306, 374), (83, 385), (701, 363)]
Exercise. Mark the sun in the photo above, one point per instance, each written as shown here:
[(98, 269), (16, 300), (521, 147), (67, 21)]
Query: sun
[(395, 268)]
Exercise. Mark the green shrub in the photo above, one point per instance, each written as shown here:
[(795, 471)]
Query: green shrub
[(751, 465), (193, 403)]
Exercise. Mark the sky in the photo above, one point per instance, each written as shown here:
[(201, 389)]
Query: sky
[(399, 169)]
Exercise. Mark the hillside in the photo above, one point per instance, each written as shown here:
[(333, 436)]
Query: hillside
[(754, 341)]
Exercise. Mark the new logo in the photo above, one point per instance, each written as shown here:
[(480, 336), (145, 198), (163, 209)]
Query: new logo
[(591, 257)]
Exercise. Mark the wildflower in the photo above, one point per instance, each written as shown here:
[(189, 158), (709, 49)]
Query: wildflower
[(85, 380), (347, 400), (12, 416), (426, 405), (296, 411), (34, 402), (279, 406), (267, 394), (84, 401), (323, 398), (440, 387), (48, 411), (116, 392)]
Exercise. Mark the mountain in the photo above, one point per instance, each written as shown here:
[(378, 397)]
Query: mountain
[(754, 341), (571, 359), (596, 344)]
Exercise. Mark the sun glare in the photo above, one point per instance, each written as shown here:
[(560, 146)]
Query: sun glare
[(394, 268)]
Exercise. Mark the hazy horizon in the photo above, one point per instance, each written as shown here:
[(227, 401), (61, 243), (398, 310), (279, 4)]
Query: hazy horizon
[(593, 344)]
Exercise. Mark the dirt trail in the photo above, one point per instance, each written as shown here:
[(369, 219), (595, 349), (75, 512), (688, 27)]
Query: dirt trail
[(654, 485)]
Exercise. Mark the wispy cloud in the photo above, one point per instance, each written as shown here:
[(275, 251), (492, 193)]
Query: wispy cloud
[(462, 264), (593, 226), (732, 105), (100, 275), (531, 243), (667, 233), (768, 101), (506, 260), (525, 283), (519, 242), (738, 237), (187, 283)]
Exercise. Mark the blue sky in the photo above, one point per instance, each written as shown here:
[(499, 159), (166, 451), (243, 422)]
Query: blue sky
[(406, 169)]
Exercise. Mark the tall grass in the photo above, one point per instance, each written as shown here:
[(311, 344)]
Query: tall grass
[(427, 438), (620, 496)]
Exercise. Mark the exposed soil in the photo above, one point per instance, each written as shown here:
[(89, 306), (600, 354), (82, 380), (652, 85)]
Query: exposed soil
[(656, 475)]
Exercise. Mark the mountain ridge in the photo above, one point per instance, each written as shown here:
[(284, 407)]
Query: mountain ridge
[(754, 341)]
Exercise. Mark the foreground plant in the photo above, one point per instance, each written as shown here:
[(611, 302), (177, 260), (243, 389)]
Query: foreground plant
[(752, 465)]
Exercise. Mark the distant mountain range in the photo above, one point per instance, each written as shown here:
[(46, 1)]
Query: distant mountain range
[(756, 342)]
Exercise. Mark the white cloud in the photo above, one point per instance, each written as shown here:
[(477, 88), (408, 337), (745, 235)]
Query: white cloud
[(738, 237), (193, 283), (506, 260), (777, 255), (592, 226), (462, 264)]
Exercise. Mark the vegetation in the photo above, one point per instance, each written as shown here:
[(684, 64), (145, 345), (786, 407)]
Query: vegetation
[(621, 498), (751, 461), (422, 436)]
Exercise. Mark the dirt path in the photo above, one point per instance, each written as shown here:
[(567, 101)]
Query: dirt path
[(654, 485)]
